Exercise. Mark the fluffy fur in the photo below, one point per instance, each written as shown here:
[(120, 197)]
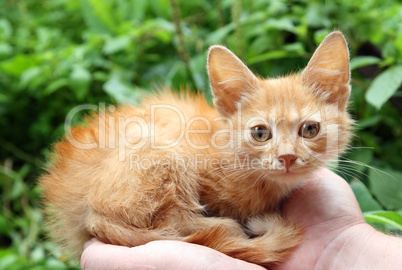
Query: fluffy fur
[(177, 168)]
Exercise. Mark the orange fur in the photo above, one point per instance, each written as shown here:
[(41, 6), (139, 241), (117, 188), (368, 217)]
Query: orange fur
[(216, 186)]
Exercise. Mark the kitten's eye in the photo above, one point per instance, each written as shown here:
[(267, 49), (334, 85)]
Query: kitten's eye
[(309, 129), (261, 133)]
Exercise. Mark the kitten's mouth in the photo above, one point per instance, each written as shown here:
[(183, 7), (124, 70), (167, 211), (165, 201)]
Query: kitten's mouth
[(290, 172)]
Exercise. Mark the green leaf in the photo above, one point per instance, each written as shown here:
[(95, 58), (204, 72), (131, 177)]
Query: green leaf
[(398, 43), (29, 76), (18, 64), (319, 35), (38, 254), (116, 44), (138, 10), (219, 35), (55, 85), (80, 79), (4, 225), (362, 61), (385, 217), (5, 50), (17, 189), (9, 261), (162, 8), (363, 196), (6, 29), (280, 24), (119, 90), (177, 75), (54, 264), (197, 64), (98, 15), (316, 17), (295, 47), (387, 187), (268, 56), (368, 122), (384, 86), (4, 98)]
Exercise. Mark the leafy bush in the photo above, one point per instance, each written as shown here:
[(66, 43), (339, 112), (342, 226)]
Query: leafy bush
[(57, 54)]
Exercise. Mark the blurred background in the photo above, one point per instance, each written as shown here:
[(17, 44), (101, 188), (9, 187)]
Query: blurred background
[(57, 54)]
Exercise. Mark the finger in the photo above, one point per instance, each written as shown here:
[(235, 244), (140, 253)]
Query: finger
[(167, 255)]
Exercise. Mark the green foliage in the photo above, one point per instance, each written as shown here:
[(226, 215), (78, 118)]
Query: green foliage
[(386, 219), (385, 186), (57, 54), (384, 86)]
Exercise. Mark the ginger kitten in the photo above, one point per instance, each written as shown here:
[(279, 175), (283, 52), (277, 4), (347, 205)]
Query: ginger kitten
[(176, 168)]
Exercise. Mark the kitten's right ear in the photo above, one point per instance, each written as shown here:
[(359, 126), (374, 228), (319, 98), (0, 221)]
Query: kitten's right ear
[(230, 79)]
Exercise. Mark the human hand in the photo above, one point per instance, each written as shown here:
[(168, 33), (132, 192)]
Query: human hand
[(336, 237), (336, 234), (327, 210), (166, 255)]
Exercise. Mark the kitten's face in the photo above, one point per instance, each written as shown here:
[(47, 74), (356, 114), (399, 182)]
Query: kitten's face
[(286, 127)]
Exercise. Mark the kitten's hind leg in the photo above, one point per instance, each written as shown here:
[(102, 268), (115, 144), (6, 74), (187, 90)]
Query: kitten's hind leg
[(118, 232)]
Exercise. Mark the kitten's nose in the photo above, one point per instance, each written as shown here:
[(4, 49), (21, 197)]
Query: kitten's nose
[(287, 160)]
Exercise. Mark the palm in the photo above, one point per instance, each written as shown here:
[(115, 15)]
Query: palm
[(325, 208)]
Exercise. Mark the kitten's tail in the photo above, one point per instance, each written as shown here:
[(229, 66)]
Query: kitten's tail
[(275, 242), (264, 250)]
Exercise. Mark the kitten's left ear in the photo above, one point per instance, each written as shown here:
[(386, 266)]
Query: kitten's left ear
[(327, 72)]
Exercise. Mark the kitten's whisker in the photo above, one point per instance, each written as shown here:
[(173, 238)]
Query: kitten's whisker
[(349, 167), (344, 172), (350, 171), (342, 159)]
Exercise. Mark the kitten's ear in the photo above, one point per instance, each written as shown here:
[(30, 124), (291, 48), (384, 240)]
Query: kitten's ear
[(230, 79), (328, 70)]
